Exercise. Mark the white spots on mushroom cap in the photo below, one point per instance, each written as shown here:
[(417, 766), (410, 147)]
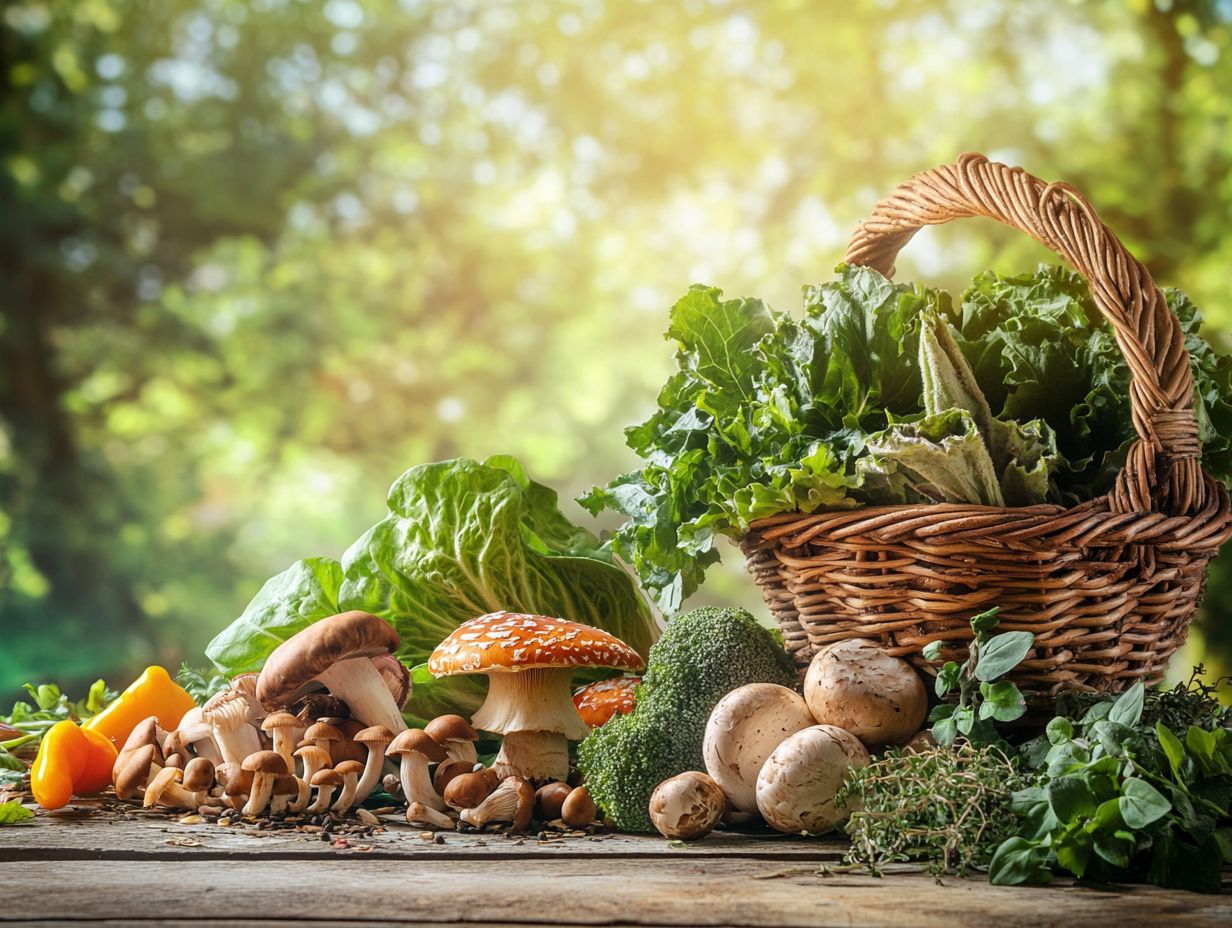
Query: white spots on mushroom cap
[(517, 641)]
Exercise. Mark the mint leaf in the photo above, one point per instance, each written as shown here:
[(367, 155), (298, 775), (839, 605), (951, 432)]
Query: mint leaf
[(1002, 654), (1142, 804)]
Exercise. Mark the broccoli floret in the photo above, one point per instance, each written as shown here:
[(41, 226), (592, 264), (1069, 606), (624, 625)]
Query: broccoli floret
[(702, 656)]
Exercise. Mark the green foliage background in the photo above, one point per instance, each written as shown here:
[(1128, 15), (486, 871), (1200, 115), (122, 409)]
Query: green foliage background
[(259, 256)]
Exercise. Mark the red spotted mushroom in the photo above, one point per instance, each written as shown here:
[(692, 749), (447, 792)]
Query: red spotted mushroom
[(529, 661), (597, 702)]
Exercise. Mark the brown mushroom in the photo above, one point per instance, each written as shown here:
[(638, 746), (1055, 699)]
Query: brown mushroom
[(284, 730), (236, 784), (165, 790), (349, 770), (579, 809), (133, 769), (336, 653), (347, 748), (324, 736), (455, 735), (419, 814), (513, 802), (197, 735), (467, 791), (549, 799), (199, 777), (529, 661), (266, 767), (857, 686), (415, 751), (375, 739), (285, 789), (324, 782), (447, 771)]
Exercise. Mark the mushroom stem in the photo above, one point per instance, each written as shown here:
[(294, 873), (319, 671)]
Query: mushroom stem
[(360, 685), (259, 796), (238, 743), (346, 798), (461, 750), (416, 784), (301, 799), (535, 755), (324, 794), (372, 772), (419, 814), (285, 740)]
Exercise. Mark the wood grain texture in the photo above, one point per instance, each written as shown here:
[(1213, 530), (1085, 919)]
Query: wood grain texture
[(105, 870)]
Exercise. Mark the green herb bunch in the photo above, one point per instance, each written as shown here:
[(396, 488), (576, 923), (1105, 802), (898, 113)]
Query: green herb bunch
[(983, 697), (884, 393), (1124, 799), (26, 724), (947, 808)]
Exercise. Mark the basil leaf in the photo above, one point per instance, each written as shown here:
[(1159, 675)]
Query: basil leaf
[(1172, 747), (1002, 701), (1071, 798)]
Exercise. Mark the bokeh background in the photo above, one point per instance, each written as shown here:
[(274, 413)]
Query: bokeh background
[(259, 256)]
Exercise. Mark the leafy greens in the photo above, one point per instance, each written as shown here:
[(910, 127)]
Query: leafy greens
[(462, 538), (884, 393)]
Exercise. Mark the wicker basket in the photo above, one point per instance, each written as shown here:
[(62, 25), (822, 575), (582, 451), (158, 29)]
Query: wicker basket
[(1108, 586)]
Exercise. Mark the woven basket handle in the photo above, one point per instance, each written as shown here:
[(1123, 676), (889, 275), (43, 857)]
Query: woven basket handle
[(1162, 471)]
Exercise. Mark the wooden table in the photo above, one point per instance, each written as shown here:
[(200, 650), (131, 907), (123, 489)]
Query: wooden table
[(93, 867)]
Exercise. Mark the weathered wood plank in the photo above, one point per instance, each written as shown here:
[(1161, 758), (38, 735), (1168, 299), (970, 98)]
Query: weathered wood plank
[(681, 892), (93, 834)]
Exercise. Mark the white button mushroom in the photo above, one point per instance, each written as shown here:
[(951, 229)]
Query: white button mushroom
[(745, 727), (797, 785), (687, 806), (857, 686)]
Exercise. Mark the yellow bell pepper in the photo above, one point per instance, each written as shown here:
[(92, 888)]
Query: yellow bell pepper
[(70, 761), (153, 693)]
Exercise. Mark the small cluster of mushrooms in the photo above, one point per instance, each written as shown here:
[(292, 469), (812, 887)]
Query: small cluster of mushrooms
[(772, 752), (313, 731)]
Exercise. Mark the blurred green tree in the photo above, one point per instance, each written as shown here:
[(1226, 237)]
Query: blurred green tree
[(257, 257)]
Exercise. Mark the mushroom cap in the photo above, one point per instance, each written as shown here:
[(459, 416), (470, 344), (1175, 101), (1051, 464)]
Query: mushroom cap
[(323, 731), (416, 741), (198, 774), (266, 762), (687, 806), (146, 732), (467, 791), (797, 785), (550, 798), (349, 767), (504, 642), (279, 720), (132, 768), (447, 771), (193, 727), (744, 727), (373, 735), (450, 728), (234, 779), (877, 697), (313, 754), (597, 702), (346, 748), (578, 809), (327, 777), (293, 666)]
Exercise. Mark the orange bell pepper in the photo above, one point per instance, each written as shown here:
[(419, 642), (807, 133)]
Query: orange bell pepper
[(70, 761), (152, 693)]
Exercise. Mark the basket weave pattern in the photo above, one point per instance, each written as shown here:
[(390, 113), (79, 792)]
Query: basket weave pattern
[(1108, 587)]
